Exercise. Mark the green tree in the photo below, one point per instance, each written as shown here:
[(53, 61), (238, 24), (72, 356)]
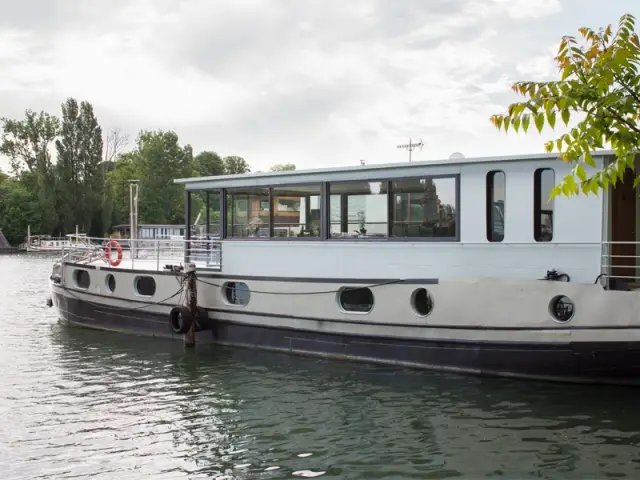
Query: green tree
[(27, 143), (158, 160), (208, 164), (118, 188), (80, 178), (235, 165), (282, 167), (598, 79), (19, 207)]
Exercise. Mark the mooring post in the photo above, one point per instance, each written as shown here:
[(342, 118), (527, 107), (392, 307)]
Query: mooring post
[(192, 302)]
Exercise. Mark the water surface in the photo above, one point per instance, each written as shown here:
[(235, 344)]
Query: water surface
[(77, 403)]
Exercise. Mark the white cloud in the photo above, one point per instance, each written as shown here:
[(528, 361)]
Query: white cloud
[(307, 81), (530, 8)]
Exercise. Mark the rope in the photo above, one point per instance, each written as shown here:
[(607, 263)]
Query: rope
[(121, 308), (390, 282)]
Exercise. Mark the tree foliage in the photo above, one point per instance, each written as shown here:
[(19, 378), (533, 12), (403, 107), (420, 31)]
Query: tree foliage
[(599, 81), (282, 167), (66, 171)]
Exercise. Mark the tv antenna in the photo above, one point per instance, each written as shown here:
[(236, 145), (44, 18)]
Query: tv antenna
[(412, 146)]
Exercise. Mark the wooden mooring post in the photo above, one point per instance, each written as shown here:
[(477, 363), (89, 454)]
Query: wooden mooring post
[(191, 299)]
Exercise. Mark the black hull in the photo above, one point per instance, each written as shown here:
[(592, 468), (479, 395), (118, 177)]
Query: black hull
[(592, 362)]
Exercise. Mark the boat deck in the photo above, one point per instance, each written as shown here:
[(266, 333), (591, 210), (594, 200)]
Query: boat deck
[(149, 256)]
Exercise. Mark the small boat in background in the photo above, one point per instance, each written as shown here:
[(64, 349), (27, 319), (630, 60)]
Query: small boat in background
[(49, 244)]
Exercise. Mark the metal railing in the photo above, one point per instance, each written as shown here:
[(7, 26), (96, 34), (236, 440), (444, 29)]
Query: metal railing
[(617, 262), (146, 254)]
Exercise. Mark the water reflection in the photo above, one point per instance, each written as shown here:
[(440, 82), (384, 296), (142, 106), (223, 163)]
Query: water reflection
[(79, 402), (227, 408)]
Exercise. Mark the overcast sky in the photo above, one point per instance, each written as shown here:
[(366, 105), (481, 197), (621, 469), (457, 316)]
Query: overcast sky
[(315, 83)]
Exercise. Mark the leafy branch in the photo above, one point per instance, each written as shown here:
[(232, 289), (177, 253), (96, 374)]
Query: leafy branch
[(598, 79)]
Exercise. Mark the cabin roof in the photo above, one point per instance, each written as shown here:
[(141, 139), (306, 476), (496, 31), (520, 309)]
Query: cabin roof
[(355, 172)]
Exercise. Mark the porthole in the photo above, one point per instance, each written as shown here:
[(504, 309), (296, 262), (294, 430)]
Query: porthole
[(82, 279), (561, 308), (355, 299), (422, 302), (110, 283), (145, 286), (236, 293)]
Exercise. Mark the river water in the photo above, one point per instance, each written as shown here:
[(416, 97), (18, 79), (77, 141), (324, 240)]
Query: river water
[(77, 403)]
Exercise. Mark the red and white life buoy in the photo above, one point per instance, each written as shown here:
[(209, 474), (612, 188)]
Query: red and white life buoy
[(107, 253)]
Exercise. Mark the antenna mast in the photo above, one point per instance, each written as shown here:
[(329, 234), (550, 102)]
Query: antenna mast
[(411, 146)]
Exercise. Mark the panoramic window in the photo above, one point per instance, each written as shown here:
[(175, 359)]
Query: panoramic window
[(296, 211), (205, 215), (353, 299), (358, 209), (145, 286), (248, 212), (496, 192), (543, 183), (424, 207)]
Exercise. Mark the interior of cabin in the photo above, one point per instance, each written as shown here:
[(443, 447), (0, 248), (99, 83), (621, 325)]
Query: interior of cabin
[(623, 218)]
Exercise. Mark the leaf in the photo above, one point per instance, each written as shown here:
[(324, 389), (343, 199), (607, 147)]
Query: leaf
[(526, 119), (581, 173), (539, 120), (566, 116)]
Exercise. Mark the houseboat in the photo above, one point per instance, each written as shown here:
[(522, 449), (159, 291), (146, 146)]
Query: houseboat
[(49, 244), (458, 265)]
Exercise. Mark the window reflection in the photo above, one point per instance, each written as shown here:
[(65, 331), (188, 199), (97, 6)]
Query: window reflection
[(248, 212), (424, 207), (296, 211), (496, 185), (543, 183), (358, 209)]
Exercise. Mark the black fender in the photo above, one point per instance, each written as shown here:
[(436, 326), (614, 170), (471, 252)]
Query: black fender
[(180, 319)]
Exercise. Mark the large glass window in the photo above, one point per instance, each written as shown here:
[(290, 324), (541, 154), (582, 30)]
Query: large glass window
[(358, 209), (248, 212), (424, 207), (296, 211), (543, 183), (496, 186)]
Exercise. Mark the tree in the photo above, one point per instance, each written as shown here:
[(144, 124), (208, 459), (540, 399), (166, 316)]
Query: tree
[(80, 178), (28, 143), (115, 143), (208, 164), (600, 81), (158, 160), (282, 167), (19, 207), (235, 165)]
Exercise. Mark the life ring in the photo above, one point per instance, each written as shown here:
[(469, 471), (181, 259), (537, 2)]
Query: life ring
[(107, 253)]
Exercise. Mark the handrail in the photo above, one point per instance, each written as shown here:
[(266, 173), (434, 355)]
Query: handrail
[(147, 253)]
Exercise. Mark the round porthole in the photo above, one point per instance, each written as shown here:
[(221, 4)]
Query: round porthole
[(422, 302), (561, 308), (110, 283)]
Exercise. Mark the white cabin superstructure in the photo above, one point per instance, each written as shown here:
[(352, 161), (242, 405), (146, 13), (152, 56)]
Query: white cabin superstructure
[(458, 265)]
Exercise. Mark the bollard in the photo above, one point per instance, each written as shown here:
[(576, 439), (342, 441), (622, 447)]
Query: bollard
[(191, 298)]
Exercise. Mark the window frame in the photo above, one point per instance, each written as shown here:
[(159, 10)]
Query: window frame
[(537, 207), (325, 218), (456, 238), (489, 189)]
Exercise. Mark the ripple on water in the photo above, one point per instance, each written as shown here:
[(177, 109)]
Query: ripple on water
[(78, 403)]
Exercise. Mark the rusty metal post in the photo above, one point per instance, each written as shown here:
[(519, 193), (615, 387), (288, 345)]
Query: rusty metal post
[(191, 298)]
